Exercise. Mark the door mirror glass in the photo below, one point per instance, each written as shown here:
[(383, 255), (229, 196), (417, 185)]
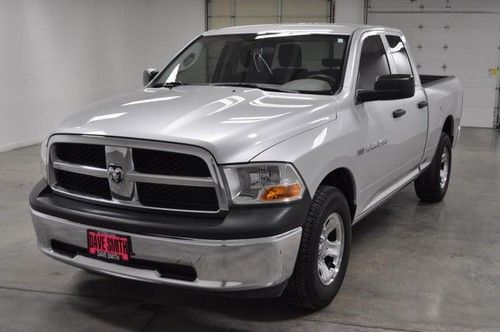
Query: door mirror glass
[(389, 87), (148, 75)]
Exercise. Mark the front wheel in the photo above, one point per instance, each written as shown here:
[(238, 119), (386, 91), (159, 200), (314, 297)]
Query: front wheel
[(324, 251), (432, 184)]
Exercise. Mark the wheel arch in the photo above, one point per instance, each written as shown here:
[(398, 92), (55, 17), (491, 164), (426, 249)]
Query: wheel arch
[(448, 127), (343, 179)]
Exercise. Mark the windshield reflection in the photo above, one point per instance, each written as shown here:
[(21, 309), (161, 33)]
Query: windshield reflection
[(284, 61)]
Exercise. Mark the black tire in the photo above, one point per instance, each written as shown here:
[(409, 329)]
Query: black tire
[(428, 185), (305, 289)]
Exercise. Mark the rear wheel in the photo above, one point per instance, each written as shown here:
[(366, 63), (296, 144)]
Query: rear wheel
[(324, 251), (432, 184)]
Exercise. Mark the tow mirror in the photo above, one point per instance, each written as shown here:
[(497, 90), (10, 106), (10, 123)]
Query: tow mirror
[(389, 87), (148, 75)]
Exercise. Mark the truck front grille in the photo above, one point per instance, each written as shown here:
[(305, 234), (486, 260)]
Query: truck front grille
[(134, 173)]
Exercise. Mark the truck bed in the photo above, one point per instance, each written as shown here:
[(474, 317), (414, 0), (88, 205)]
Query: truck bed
[(428, 80), (444, 94)]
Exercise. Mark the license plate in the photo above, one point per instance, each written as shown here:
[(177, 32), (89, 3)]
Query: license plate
[(108, 245)]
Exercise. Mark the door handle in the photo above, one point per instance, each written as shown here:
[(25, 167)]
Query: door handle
[(423, 104), (398, 113)]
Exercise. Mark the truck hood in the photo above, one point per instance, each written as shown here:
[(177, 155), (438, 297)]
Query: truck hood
[(234, 124)]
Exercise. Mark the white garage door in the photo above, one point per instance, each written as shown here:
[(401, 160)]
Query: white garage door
[(454, 37), (224, 13)]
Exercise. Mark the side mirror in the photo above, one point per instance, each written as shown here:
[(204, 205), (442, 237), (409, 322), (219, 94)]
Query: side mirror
[(148, 75), (389, 87)]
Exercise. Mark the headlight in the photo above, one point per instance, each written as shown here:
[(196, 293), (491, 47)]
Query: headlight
[(44, 158), (263, 183)]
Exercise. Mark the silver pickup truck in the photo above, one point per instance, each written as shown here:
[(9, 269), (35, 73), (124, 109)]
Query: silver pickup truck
[(241, 166)]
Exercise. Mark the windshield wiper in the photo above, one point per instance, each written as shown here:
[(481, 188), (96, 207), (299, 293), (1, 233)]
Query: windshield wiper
[(255, 86), (169, 85)]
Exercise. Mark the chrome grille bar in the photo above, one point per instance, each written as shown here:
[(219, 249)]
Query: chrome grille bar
[(81, 169), (171, 180)]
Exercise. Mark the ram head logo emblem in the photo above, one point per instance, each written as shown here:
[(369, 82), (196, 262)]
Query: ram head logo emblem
[(116, 174)]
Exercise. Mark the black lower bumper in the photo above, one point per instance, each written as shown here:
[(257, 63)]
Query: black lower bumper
[(237, 223)]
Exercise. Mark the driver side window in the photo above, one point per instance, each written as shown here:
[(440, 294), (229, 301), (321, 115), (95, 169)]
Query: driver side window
[(372, 63)]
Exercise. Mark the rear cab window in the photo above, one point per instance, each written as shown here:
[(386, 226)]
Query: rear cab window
[(399, 55)]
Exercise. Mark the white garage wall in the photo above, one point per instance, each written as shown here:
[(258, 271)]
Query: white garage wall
[(58, 55)]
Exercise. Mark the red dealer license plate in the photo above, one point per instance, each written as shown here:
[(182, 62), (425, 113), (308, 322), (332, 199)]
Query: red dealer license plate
[(108, 246)]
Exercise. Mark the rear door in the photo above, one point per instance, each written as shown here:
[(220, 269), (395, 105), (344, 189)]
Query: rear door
[(411, 127)]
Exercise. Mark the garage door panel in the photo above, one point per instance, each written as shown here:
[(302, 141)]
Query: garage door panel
[(255, 20), (305, 19), (433, 4), (459, 5), (477, 117), (224, 13), (220, 22), (314, 8), (487, 38), (469, 21), (433, 70), (480, 36), (431, 38), (460, 39), (431, 66), (473, 62), (436, 21), (256, 8), (479, 97), (394, 5), (395, 20), (430, 59), (221, 7), (410, 33), (458, 43), (473, 80), (471, 5), (466, 39), (425, 21)]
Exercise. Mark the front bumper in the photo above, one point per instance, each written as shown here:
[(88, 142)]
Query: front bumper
[(219, 265)]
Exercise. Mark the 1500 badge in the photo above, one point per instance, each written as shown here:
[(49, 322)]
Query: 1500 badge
[(372, 146)]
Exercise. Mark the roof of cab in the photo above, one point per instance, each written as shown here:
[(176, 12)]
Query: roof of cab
[(342, 29)]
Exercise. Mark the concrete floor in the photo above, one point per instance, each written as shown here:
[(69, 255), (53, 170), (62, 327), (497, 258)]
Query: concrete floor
[(413, 267)]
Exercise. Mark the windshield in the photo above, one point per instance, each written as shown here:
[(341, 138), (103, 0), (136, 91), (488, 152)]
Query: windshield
[(310, 63)]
